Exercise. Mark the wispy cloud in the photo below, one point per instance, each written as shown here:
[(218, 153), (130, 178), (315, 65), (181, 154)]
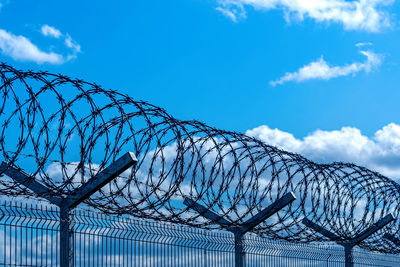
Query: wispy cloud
[(381, 152), (321, 70), (21, 48), (365, 15), (234, 12), (72, 45), (50, 31), (363, 44)]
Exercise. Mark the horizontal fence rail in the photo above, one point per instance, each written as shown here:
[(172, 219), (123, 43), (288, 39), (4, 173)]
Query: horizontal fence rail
[(29, 236)]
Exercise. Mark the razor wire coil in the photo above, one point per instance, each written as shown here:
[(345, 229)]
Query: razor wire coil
[(63, 131)]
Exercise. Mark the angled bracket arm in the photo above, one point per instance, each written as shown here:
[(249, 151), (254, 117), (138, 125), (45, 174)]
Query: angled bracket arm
[(392, 238), (66, 204), (243, 228), (250, 223), (320, 229), (349, 244), (29, 182), (267, 212), (203, 211), (354, 241), (372, 229), (79, 194), (94, 184)]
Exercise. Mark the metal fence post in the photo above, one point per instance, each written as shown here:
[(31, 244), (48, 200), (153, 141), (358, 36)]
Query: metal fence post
[(239, 252), (68, 203), (240, 230), (348, 256), (349, 243), (66, 250)]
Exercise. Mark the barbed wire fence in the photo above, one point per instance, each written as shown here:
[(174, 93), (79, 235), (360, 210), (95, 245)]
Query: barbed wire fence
[(73, 143)]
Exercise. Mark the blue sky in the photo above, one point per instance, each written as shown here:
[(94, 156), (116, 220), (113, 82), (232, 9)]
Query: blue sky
[(315, 77)]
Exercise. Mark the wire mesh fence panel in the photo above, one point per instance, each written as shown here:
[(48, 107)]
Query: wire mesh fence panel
[(368, 258), (116, 241), (263, 252), (29, 236)]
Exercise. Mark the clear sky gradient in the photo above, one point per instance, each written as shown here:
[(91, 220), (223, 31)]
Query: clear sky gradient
[(217, 60)]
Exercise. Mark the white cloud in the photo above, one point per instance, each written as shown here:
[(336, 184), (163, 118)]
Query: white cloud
[(353, 15), (72, 44), (21, 48), (321, 70), (50, 31), (56, 33), (232, 11), (380, 152), (363, 44), (228, 13)]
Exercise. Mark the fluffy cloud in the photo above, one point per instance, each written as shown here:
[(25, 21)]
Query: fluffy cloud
[(380, 152), (321, 70), (21, 48), (353, 15)]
